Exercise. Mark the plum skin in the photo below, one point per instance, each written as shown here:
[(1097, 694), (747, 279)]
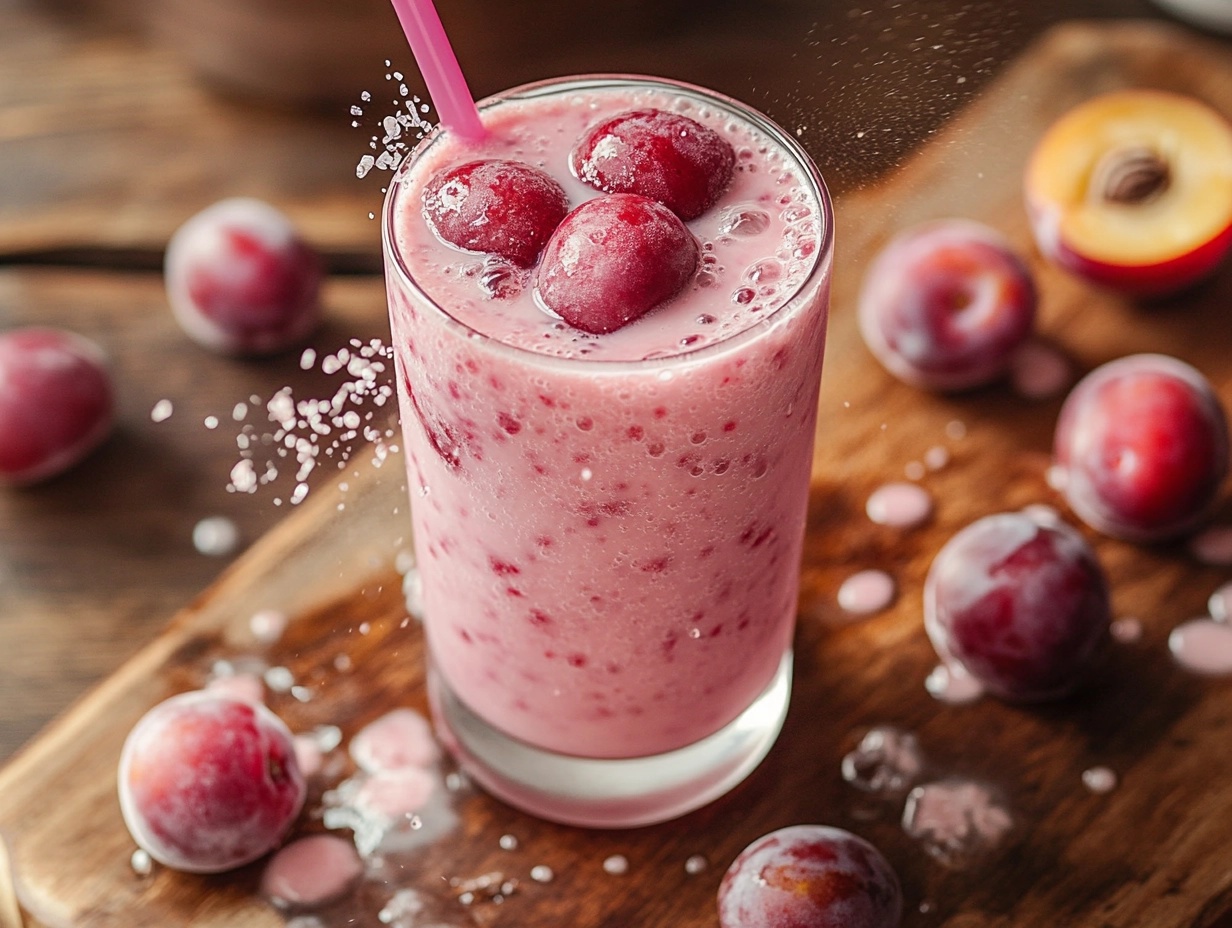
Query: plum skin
[(810, 876), (1021, 605), (208, 782), (944, 305), (1142, 443), (57, 402), (240, 280)]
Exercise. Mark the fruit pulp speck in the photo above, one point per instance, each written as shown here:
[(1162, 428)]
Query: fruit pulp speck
[(609, 527)]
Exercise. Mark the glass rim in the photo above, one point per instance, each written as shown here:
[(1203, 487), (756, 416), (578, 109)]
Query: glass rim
[(822, 258)]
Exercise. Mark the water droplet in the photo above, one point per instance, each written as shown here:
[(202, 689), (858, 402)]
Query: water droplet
[(542, 873), (616, 864), (508, 843), (953, 685)]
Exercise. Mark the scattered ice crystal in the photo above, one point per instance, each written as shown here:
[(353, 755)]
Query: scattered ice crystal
[(279, 679), (216, 536), (886, 762), (162, 411)]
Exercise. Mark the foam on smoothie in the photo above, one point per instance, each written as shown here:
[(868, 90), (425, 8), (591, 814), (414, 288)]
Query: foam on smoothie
[(758, 243)]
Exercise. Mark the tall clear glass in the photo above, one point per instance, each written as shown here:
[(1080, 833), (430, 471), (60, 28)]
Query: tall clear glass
[(610, 545)]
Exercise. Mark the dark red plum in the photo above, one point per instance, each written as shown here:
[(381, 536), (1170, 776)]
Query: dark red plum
[(614, 259), (1142, 448), (945, 305), (810, 876), (241, 280), (495, 207), (56, 402), (665, 156), (1021, 603), (209, 782)]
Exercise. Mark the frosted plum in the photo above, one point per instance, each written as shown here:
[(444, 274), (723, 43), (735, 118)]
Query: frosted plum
[(810, 876), (665, 156), (1020, 603), (1142, 447), (614, 259), (240, 279), (56, 402), (209, 782), (945, 305), (495, 206)]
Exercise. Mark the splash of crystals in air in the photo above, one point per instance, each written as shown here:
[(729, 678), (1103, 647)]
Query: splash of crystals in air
[(400, 131), (306, 432)]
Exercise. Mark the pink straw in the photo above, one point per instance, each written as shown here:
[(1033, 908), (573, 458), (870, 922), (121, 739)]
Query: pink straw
[(439, 67)]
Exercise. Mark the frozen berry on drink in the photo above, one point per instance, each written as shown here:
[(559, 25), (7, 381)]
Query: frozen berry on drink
[(614, 259), (1021, 604), (664, 156), (56, 402), (945, 305), (495, 207), (810, 876), (241, 280), (1142, 447), (209, 782)]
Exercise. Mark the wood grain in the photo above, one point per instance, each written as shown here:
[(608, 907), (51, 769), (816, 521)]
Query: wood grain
[(1153, 852)]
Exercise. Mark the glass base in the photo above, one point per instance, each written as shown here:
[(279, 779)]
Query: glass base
[(603, 793)]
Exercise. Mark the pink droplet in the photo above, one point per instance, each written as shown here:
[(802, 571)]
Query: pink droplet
[(951, 684), (1203, 646), (1220, 603), (1038, 370), (902, 505), (1099, 779), (395, 794), (399, 739), (267, 625), (1213, 546), (311, 871), (867, 592), (1126, 631)]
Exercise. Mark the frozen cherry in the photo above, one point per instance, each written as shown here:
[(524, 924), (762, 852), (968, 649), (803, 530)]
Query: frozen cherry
[(945, 305), (495, 207), (240, 280), (56, 402), (613, 259), (810, 876), (1142, 447), (209, 782), (1020, 603), (664, 156)]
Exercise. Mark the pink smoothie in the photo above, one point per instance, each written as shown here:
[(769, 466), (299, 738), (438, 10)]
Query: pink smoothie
[(609, 527)]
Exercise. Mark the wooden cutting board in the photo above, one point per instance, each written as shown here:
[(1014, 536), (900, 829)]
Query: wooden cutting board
[(1154, 851)]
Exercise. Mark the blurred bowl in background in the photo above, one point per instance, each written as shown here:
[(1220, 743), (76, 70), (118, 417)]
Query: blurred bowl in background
[(317, 53)]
